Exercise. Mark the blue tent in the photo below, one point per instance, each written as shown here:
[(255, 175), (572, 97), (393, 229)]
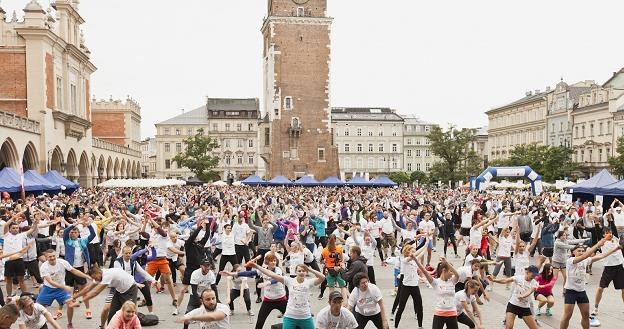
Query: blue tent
[(280, 180), (616, 188), (10, 180), (33, 181), (332, 181), (53, 176), (307, 181), (253, 180), (358, 181), (590, 186), (383, 181)]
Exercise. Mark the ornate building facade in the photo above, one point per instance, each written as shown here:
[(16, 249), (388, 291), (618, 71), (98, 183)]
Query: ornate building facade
[(417, 155)]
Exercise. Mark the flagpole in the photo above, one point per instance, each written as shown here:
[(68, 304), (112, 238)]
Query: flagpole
[(23, 192)]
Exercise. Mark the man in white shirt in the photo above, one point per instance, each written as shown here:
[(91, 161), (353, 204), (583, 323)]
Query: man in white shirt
[(210, 315), (14, 241), (335, 316), (387, 234), (242, 233), (613, 269)]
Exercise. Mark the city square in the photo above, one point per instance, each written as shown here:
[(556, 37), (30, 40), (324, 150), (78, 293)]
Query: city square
[(310, 164)]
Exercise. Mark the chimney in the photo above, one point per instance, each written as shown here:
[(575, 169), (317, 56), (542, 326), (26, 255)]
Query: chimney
[(537, 91), (528, 93)]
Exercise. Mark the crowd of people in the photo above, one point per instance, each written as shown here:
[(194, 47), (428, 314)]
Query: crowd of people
[(283, 245)]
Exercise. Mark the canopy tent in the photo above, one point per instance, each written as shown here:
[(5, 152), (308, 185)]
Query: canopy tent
[(306, 181), (253, 180), (33, 181), (358, 181), (280, 180), (616, 188), (150, 182), (194, 181), (53, 176), (383, 181), (590, 186), (219, 183), (10, 180), (332, 181)]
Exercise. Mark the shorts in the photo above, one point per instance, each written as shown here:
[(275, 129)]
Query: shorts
[(464, 231), (525, 236), (535, 294), (388, 240), (14, 267), (71, 279), (47, 295), (518, 311), (332, 280), (575, 297), (547, 252), (612, 273), (158, 265), (559, 266), (109, 296)]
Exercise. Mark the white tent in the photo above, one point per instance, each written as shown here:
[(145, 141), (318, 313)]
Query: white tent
[(219, 183), (150, 182)]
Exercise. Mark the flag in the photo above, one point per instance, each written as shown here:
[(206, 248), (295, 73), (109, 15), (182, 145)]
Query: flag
[(22, 183)]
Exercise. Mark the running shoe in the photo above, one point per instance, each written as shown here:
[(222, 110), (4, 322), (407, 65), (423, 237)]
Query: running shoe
[(175, 311), (548, 312), (88, 314), (250, 312), (538, 311)]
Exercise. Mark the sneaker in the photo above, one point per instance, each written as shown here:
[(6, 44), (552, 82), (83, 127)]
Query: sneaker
[(58, 315), (250, 312), (258, 300), (392, 317), (489, 288), (70, 326), (504, 322), (279, 316), (594, 312), (320, 296), (538, 311), (539, 324), (175, 311), (548, 312), (88, 314), (394, 292), (594, 322)]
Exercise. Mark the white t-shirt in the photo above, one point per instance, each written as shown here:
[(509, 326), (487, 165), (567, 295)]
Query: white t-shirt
[(227, 244), (409, 269), (203, 281), (445, 294), (298, 306), (274, 291), (14, 242), (240, 233), (618, 219), (118, 279), (475, 236), (56, 272), (465, 273), (223, 324), (34, 321), (373, 228), (521, 262), (504, 246), (521, 286), (159, 242), (427, 226), (176, 245), (460, 297), (386, 225), (326, 320), (615, 258), (466, 219), (576, 274), (503, 220), (366, 302), (470, 257)]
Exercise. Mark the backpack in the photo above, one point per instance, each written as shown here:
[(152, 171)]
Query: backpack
[(147, 320), (280, 233)]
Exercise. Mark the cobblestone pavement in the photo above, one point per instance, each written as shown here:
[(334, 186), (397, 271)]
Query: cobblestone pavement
[(611, 307)]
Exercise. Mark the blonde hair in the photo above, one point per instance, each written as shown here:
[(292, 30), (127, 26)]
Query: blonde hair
[(129, 305)]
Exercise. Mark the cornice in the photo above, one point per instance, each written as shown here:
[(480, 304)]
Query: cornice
[(296, 20)]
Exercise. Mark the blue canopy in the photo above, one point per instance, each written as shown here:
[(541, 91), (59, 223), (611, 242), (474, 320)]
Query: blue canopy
[(383, 181), (280, 180), (33, 181), (590, 186), (358, 181), (10, 180), (54, 177), (332, 181), (253, 180), (616, 188), (307, 181)]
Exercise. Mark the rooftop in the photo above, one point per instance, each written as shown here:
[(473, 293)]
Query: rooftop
[(365, 113)]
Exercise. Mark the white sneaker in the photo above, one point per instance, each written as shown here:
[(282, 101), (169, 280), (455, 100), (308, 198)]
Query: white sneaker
[(250, 312), (175, 311)]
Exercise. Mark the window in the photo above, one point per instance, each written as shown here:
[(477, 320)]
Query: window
[(409, 153), (417, 141), (288, 103), (178, 147), (409, 141), (239, 159), (267, 136), (300, 11), (409, 167), (59, 93), (608, 128), (166, 131), (371, 163), (576, 135), (167, 147), (240, 143), (250, 143), (360, 163), (394, 131), (382, 163), (591, 130), (346, 147), (167, 164), (347, 163), (599, 155), (346, 131), (227, 143), (370, 132), (418, 153), (427, 141), (215, 126), (189, 131), (370, 147), (427, 128), (560, 126), (395, 163), (380, 131), (427, 153), (394, 148), (359, 147), (591, 153), (321, 154), (74, 99), (250, 160), (381, 147), (250, 127), (600, 129), (427, 166), (228, 159), (227, 127), (583, 131), (239, 127), (359, 131), (178, 132)]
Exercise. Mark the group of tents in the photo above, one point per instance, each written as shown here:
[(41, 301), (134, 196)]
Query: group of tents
[(35, 183), (602, 184), (381, 181)]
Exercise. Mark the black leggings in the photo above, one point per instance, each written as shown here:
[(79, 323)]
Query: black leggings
[(371, 275), (266, 308), (380, 249), (395, 304), (451, 237), (223, 261), (234, 293), (242, 253), (33, 269), (406, 292), (362, 320), (440, 321), (464, 319), (172, 267), (147, 294)]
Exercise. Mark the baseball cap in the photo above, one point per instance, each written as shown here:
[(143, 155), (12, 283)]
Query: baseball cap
[(334, 295), (532, 269), (206, 261)]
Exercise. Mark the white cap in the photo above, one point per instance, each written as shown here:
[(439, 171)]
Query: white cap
[(618, 208)]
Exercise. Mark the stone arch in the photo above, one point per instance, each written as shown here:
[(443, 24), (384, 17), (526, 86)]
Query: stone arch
[(101, 169), (116, 167), (30, 160), (129, 169), (123, 169), (83, 169), (56, 160), (93, 166), (71, 166), (8, 155), (109, 168)]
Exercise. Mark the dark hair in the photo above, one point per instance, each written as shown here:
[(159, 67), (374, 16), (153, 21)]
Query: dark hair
[(606, 230), (546, 274), (358, 278), (356, 250)]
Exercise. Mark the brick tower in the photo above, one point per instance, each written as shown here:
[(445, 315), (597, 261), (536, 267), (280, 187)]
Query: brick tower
[(296, 132)]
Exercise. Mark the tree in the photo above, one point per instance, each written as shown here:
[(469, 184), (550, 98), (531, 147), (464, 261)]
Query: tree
[(451, 146), (616, 163), (197, 156), (552, 162), (419, 176), (400, 177)]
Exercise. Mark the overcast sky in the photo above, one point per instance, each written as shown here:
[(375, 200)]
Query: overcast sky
[(444, 61)]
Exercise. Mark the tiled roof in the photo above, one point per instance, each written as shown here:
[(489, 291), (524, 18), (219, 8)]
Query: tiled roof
[(197, 116)]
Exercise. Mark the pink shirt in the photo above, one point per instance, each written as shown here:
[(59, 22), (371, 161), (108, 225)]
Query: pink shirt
[(547, 288), (117, 322)]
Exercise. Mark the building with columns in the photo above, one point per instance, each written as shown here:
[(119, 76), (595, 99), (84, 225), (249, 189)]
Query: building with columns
[(45, 113), (232, 122), (561, 103), (615, 86), (417, 155)]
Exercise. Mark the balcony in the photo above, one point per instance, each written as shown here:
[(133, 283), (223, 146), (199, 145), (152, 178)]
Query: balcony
[(105, 145), (11, 120), (294, 130)]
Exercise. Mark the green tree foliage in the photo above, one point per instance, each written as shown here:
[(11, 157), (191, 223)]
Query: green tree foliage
[(400, 177), (451, 146), (616, 164), (552, 162), (419, 176), (196, 156)]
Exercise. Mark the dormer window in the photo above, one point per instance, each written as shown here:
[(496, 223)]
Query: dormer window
[(300, 12)]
